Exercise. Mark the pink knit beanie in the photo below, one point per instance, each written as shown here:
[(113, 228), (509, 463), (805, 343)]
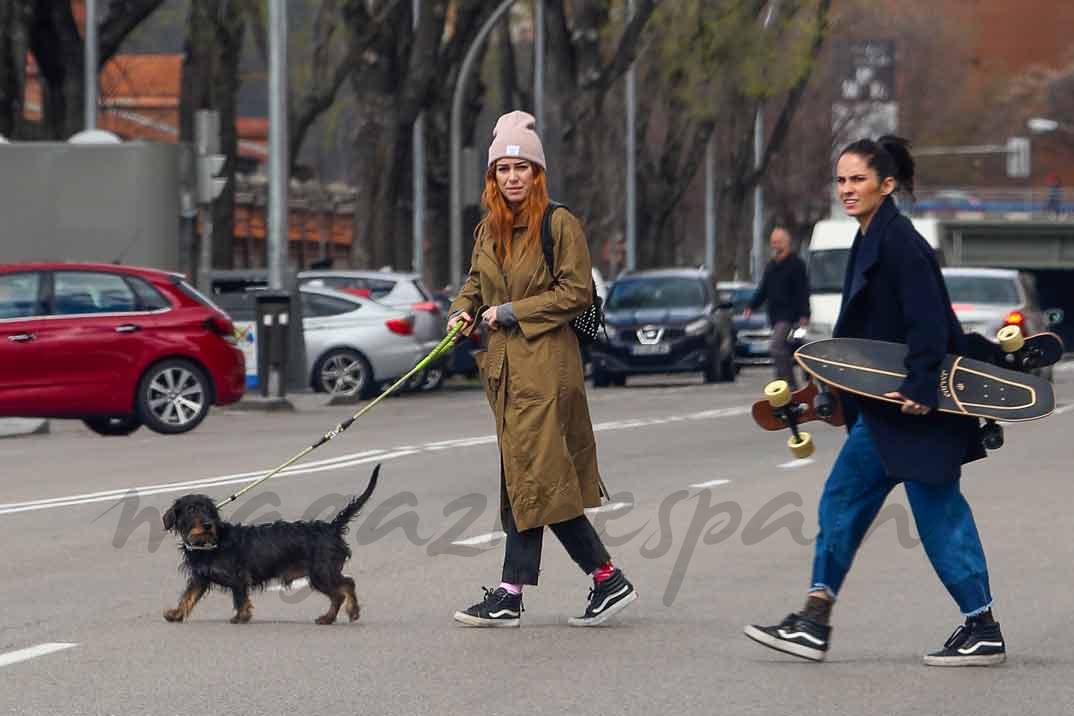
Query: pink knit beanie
[(515, 136)]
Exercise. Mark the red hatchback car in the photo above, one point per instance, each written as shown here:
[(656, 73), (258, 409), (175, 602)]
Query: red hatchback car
[(115, 346)]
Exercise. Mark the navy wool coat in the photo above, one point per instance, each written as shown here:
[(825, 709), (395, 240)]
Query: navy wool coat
[(894, 291)]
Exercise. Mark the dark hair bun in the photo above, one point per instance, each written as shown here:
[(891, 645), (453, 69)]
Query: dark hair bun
[(898, 148)]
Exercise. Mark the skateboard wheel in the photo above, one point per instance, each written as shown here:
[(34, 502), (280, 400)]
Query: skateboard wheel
[(1010, 339), (778, 393), (802, 447)]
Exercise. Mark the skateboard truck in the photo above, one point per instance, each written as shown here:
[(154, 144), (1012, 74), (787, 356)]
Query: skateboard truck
[(1017, 353), (992, 435), (778, 394), (824, 403)]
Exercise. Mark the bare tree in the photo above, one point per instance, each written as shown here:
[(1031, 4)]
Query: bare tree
[(57, 47), (214, 42), (15, 17)]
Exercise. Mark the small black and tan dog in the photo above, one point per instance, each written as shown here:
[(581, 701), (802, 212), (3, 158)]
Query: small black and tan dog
[(242, 558)]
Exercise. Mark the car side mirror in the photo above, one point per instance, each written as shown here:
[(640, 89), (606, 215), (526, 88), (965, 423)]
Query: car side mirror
[(1054, 316)]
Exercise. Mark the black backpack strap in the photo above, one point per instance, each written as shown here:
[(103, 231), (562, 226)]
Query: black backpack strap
[(546, 235)]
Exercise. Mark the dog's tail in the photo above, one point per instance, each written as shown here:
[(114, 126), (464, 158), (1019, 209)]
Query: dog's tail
[(339, 524)]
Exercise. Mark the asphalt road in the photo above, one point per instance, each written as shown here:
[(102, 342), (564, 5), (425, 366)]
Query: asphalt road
[(85, 579)]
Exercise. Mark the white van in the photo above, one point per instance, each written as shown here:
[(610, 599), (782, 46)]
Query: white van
[(829, 249)]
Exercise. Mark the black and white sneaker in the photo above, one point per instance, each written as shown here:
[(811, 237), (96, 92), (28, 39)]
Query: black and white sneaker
[(500, 608), (606, 599), (795, 635), (971, 644)]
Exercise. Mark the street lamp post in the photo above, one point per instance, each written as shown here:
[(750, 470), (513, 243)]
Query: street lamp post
[(417, 262), (90, 61), (456, 138)]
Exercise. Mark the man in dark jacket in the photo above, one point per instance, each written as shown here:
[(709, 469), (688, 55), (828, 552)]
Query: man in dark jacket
[(785, 288)]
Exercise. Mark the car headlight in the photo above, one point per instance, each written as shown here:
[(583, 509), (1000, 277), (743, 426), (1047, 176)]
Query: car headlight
[(696, 328)]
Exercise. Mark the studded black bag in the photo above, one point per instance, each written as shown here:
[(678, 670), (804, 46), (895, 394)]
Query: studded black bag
[(589, 322)]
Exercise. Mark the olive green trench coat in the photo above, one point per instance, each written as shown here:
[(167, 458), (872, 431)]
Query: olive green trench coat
[(532, 373)]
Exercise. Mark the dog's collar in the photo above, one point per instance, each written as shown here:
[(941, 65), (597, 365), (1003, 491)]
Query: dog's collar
[(197, 548)]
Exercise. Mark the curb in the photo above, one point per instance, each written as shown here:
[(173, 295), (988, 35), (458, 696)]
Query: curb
[(17, 427)]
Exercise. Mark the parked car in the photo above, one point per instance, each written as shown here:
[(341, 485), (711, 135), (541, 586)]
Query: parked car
[(752, 335), (986, 299), (115, 346), (665, 321), (461, 360), (402, 291), (354, 345)]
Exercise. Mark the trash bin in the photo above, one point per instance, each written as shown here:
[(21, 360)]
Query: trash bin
[(274, 318)]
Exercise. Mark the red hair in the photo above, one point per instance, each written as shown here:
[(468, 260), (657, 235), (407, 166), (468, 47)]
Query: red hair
[(500, 219)]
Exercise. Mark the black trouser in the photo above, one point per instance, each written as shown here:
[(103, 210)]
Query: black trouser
[(782, 353), (522, 555)]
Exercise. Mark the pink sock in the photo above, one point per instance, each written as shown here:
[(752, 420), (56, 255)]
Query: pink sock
[(514, 589), (603, 572)]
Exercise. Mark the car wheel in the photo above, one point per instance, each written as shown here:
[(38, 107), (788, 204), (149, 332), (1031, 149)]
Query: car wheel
[(619, 380), (173, 397), (344, 372), (113, 426), (432, 378), (601, 379)]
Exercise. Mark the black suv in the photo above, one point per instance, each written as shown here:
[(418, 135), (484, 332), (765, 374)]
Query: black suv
[(665, 321)]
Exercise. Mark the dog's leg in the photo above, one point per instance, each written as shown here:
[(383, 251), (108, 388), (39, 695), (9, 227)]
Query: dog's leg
[(244, 608), (194, 591), (350, 601), (332, 586)]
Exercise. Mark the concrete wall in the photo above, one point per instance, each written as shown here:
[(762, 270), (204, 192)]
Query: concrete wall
[(90, 203)]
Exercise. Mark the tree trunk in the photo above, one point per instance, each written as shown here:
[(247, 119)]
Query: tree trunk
[(16, 16)]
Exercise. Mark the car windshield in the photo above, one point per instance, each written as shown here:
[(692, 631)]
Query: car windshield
[(982, 289), (826, 269), (656, 292)]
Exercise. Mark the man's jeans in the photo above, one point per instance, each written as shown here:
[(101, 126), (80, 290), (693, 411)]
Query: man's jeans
[(782, 355), (853, 495)]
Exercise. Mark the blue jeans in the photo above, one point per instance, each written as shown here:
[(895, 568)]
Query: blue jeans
[(853, 495)]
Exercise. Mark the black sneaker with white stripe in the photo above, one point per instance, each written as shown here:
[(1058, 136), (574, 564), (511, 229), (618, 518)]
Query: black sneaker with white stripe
[(499, 608), (606, 599), (796, 635), (971, 644)]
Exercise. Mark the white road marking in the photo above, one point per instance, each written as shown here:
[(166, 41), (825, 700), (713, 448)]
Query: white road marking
[(335, 463), (487, 538), (710, 483), (797, 463), (185, 486), (612, 507), (1064, 409), (14, 657)]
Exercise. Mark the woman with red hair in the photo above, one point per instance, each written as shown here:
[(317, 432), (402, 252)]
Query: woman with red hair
[(533, 379)]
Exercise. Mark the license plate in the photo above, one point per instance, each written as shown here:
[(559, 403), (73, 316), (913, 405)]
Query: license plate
[(657, 349)]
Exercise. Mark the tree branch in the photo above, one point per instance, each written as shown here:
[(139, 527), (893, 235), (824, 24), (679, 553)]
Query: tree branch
[(627, 51), (122, 18), (794, 95), (322, 96)]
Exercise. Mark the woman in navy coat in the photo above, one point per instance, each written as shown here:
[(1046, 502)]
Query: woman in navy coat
[(894, 291)]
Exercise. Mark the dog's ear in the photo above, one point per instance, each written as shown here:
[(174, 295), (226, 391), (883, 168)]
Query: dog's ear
[(169, 518)]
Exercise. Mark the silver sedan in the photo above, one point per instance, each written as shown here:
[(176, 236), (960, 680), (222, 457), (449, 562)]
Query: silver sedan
[(354, 344)]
